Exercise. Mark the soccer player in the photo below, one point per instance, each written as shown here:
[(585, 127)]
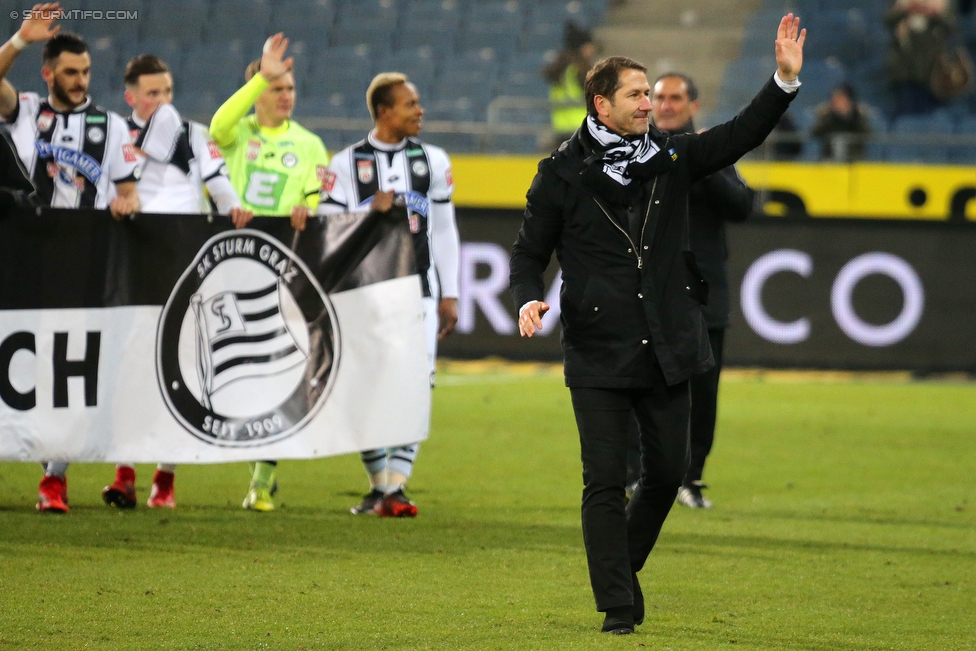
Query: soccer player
[(178, 161), (276, 166), (77, 154), (392, 158)]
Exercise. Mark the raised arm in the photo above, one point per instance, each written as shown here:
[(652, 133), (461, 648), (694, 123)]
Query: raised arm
[(223, 126), (38, 26), (726, 143)]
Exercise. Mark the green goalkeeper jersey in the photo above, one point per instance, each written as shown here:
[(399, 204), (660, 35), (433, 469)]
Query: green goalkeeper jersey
[(272, 169)]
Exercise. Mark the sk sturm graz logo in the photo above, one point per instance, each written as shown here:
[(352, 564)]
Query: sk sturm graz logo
[(248, 344)]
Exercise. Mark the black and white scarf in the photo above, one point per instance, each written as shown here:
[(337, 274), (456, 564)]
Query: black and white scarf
[(615, 162)]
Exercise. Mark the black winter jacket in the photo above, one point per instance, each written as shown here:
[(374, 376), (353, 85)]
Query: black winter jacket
[(627, 301)]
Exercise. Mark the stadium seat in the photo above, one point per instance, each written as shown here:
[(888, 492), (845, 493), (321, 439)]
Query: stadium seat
[(182, 19), (440, 13), (245, 20), (920, 152), (169, 50), (378, 37), (374, 13), (453, 143), (202, 60), (965, 153), (502, 41), (743, 78), (440, 40), (500, 15), (304, 20)]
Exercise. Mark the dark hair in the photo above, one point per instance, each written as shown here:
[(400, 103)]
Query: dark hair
[(689, 83), (604, 79), (144, 64), (62, 42)]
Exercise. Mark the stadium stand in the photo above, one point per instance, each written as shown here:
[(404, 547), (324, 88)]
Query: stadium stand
[(478, 62)]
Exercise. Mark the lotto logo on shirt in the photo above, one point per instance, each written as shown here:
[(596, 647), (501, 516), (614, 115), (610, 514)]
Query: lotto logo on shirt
[(214, 150), (326, 178), (129, 153)]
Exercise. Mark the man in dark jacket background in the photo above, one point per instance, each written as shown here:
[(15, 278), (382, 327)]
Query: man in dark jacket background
[(612, 203), (712, 201)]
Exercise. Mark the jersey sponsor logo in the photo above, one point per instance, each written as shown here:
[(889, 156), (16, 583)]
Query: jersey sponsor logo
[(44, 120), (449, 177), (416, 202), (326, 178), (65, 157), (96, 119), (364, 170), (214, 150), (128, 153), (241, 360), (253, 149), (95, 134), (264, 188), (289, 160), (419, 168)]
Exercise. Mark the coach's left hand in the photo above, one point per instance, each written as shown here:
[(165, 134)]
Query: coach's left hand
[(448, 312)]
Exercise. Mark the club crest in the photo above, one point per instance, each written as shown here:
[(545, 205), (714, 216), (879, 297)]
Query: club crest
[(247, 344), (364, 169)]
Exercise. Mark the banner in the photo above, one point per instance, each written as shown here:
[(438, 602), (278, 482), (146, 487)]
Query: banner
[(823, 294), (177, 338)]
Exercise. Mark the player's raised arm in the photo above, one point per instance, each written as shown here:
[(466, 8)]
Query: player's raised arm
[(38, 26)]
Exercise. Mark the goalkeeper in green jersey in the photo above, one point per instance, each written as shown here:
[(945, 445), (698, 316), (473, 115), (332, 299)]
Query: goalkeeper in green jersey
[(275, 164), (276, 167)]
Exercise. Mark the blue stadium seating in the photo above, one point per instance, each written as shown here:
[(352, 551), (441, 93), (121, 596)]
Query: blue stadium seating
[(245, 20), (938, 124), (964, 154)]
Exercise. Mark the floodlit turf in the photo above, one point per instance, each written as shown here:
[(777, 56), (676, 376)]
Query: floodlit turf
[(845, 519)]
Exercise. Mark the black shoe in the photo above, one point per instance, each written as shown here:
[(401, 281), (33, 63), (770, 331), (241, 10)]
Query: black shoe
[(638, 602), (371, 503), (619, 621)]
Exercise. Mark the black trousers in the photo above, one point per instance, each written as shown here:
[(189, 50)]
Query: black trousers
[(704, 405), (618, 540)]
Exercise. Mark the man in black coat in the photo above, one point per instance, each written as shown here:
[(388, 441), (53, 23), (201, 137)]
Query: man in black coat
[(16, 188), (712, 201), (612, 203)]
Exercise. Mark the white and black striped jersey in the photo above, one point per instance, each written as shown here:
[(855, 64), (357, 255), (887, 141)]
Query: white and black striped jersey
[(74, 158), (422, 174), (178, 158)]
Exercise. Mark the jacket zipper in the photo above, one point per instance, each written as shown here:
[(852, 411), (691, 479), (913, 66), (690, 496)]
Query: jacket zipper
[(634, 247)]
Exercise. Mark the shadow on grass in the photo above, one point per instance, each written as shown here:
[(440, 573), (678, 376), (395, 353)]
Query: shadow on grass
[(698, 541)]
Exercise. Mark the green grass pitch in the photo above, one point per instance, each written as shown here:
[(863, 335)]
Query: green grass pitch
[(845, 518)]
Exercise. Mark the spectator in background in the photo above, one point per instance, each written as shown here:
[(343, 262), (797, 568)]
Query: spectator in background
[(920, 32), (566, 76), (841, 124)]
